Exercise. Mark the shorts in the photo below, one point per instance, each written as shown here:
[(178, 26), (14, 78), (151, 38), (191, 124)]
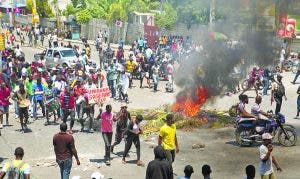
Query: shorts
[(5, 109)]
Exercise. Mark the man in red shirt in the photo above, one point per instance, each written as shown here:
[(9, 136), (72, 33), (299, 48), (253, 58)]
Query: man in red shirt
[(79, 90), (64, 148), (67, 102)]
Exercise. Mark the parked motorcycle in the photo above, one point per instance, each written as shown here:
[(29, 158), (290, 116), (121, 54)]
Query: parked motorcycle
[(247, 132)]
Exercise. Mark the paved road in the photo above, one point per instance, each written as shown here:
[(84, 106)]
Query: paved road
[(226, 159)]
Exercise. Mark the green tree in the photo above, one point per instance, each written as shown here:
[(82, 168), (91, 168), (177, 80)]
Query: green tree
[(83, 16), (70, 10), (167, 18)]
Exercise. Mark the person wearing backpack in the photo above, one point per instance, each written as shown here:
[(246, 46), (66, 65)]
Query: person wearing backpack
[(17, 168), (278, 92)]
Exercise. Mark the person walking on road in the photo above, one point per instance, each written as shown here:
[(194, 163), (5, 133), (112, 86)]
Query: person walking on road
[(266, 158), (278, 92), (122, 120), (23, 104), (107, 119), (132, 133), (64, 148), (298, 103), (159, 168), (168, 139), (4, 103), (67, 102), (298, 71), (17, 167)]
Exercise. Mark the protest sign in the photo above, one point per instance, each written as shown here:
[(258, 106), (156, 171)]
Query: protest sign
[(98, 95)]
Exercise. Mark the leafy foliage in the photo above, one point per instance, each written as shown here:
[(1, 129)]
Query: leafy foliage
[(167, 18), (43, 8), (83, 16)]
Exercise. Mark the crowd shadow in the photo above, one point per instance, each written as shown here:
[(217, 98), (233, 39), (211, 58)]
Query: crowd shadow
[(255, 144)]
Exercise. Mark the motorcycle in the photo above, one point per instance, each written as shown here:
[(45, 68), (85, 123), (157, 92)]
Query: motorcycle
[(247, 132)]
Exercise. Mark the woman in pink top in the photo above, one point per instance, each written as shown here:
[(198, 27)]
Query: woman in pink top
[(107, 119), (4, 103)]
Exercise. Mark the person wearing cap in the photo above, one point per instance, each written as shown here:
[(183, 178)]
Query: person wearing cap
[(277, 93), (266, 159), (122, 120), (130, 67), (159, 168), (132, 134), (206, 171), (167, 138), (24, 168), (51, 101), (188, 171)]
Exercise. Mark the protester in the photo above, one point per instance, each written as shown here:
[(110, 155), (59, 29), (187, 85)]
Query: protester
[(266, 158), (278, 92), (250, 172), (4, 103), (188, 171), (107, 119), (23, 104), (281, 58), (168, 139), (298, 71), (122, 120), (67, 102), (298, 103), (159, 168), (38, 97), (132, 133), (206, 171), (64, 148), (16, 168)]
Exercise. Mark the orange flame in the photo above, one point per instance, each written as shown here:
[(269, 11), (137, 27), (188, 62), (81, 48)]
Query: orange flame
[(190, 106)]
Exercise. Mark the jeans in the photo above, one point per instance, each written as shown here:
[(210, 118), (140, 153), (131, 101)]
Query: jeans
[(107, 137), (78, 110), (155, 81), (135, 139), (65, 168), (112, 87), (16, 107), (41, 102), (296, 76), (266, 86)]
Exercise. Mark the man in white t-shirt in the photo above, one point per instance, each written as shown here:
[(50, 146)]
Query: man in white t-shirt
[(18, 51), (281, 58), (266, 158)]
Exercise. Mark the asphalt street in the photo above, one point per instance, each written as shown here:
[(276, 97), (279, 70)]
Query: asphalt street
[(226, 159)]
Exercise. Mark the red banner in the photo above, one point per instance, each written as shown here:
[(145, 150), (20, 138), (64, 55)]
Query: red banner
[(282, 21), (290, 28), (98, 95)]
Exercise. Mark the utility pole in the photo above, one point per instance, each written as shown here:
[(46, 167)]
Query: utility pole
[(212, 14)]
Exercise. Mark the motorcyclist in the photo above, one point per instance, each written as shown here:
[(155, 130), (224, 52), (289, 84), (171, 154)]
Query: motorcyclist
[(257, 112), (241, 108)]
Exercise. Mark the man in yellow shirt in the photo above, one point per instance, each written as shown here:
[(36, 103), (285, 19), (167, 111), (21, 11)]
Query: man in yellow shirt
[(130, 66), (168, 139), (17, 166)]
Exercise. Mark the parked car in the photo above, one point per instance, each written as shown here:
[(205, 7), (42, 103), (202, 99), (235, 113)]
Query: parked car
[(60, 56)]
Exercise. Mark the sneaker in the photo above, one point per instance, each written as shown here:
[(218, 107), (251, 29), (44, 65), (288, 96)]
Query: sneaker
[(124, 161), (1, 126), (16, 116)]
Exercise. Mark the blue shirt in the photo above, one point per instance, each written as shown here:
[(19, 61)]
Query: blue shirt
[(38, 88), (141, 43)]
